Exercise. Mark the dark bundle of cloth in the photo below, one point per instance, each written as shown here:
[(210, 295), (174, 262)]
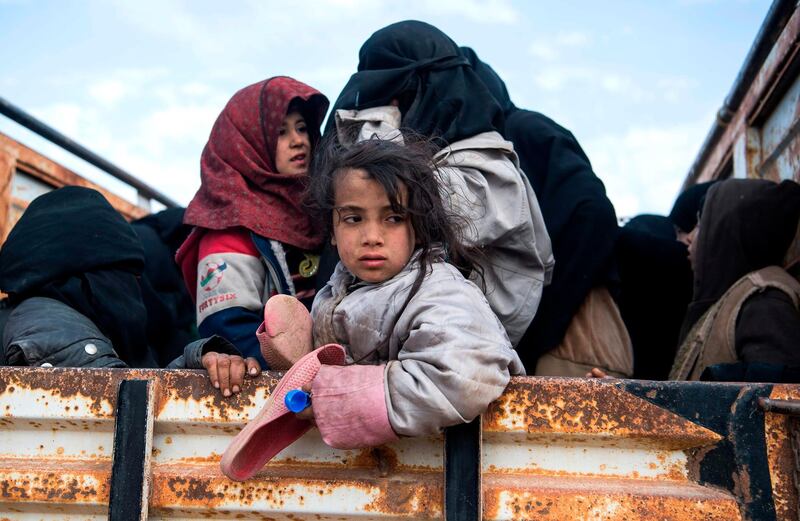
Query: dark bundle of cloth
[(652, 224), (420, 67), (170, 310), (580, 219), (687, 206), (71, 246), (655, 288), (656, 281)]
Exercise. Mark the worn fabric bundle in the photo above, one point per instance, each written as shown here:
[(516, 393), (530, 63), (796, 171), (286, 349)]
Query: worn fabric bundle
[(71, 245)]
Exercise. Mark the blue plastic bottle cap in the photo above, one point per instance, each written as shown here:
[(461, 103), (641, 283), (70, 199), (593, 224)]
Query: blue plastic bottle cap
[(297, 400)]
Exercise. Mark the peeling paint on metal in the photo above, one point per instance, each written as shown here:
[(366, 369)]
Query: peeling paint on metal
[(549, 498), (753, 112), (589, 408), (587, 449), (781, 457), (305, 492), (85, 483)]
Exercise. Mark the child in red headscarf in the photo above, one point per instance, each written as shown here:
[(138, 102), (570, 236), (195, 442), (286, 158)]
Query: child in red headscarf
[(252, 238)]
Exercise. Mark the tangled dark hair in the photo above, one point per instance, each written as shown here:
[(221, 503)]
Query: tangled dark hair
[(393, 164)]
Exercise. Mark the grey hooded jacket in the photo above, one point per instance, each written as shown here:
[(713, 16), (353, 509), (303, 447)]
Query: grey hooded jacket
[(447, 355), (481, 180)]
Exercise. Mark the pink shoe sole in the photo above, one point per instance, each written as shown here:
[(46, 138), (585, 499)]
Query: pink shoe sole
[(275, 428)]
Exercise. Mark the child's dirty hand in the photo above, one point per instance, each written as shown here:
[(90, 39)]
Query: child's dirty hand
[(308, 412), (227, 372)]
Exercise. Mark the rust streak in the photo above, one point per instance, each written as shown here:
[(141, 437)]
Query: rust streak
[(586, 407), (66, 482), (411, 494), (780, 455), (546, 499)]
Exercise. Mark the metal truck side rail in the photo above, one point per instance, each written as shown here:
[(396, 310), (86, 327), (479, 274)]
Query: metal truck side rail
[(25, 174), (26, 120), (756, 132), (108, 444)]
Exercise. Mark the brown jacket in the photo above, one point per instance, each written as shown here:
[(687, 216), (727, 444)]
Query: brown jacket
[(718, 337), (744, 306)]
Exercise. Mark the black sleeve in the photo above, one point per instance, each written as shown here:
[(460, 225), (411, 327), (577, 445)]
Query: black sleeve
[(580, 220), (768, 329), (193, 352)]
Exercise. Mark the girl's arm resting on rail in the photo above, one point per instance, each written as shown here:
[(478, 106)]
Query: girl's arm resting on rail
[(454, 361), (350, 406)]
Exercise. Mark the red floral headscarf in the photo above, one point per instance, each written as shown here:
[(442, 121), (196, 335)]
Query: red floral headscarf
[(240, 185)]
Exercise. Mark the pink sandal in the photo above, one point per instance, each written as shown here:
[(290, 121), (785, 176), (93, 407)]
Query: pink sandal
[(275, 428)]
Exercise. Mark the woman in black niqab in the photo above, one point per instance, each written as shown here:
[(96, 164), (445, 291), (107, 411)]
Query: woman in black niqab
[(72, 246), (422, 68), (417, 68), (580, 219)]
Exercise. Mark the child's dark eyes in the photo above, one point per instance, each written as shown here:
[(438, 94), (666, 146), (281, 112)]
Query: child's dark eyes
[(356, 218), (300, 130)]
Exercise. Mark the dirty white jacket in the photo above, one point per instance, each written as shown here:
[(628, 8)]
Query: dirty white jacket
[(438, 361), (481, 180)]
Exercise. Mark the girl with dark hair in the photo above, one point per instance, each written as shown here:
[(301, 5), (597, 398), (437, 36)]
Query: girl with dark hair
[(252, 237), (425, 350), (412, 74)]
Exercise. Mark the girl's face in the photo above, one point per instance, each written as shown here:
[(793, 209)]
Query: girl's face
[(293, 153), (374, 241)]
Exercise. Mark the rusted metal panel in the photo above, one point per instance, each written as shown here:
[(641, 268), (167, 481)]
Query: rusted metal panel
[(39, 174), (783, 459), (780, 135), (761, 102), (560, 498), (552, 449), (7, 161), (581, 409), (781, 119), (747, 154)]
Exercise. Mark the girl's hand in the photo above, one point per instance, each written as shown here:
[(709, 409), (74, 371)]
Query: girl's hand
[(308, 412), (227, 372)]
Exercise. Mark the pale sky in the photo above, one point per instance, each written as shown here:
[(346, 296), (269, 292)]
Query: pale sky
[(141, 82)]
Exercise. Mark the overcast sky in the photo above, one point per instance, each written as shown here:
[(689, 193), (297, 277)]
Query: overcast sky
[(141, 82)]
